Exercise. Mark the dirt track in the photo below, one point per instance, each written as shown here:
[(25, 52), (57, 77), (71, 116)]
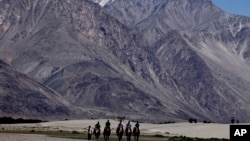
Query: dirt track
[(30, 137)]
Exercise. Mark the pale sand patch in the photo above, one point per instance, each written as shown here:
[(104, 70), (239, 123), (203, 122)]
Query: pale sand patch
[(199, 130)]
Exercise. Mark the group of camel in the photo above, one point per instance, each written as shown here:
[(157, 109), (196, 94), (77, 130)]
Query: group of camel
[(119, 132)]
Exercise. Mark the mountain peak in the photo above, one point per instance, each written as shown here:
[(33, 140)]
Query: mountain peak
[(103, 2), (187, 12)]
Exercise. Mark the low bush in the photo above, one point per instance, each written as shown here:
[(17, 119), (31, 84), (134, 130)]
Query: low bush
[(75, 132), (10, 120)]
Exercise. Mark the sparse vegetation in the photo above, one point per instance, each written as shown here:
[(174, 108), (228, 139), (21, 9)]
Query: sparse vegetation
[(32, 131), (206, 121), (167, 122), (157, 135), (10, 120), (75, 132), (192, 120)]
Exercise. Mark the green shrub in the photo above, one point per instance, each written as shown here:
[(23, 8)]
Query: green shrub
[(75, 132), (32, 131)]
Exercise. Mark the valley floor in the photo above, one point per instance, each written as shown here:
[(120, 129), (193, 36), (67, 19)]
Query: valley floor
[(79, 128)]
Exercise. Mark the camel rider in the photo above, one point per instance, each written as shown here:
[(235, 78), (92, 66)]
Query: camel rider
[(108, 124), (128, 124), (120, 124), (128, 130), (98, 125), (137, 124)]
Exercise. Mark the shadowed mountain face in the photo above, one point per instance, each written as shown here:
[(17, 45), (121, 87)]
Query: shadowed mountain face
[(23, 97), (170, 59)]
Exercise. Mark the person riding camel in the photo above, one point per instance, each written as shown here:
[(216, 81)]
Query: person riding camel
[(128, 125), (107, 131), (98, 125), (136, 131), (120, 124), (97, 130), (137, 124), (119, 130), (128, 130), (108, 124)]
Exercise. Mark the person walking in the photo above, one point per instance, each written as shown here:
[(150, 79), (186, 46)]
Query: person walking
[(89, 132)]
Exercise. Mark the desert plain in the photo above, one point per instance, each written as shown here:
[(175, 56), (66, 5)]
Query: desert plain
[(15, 132)]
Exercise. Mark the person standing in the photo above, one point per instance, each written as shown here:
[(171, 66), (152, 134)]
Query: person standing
[(89, 133)]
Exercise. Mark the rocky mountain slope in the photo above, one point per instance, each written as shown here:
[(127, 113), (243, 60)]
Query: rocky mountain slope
[(21, 96), (170, 59), (197, 46)]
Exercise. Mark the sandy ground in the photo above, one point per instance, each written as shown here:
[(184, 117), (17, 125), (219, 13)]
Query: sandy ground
[(29, 137), (200, 130)]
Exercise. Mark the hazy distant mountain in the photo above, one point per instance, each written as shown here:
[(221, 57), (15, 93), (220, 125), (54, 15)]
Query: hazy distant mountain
[(147, 59)]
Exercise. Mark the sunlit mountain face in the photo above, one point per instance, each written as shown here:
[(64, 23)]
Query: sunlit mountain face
[(154, 60)]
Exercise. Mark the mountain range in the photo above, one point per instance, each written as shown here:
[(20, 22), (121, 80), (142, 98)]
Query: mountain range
[(153, 60)]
